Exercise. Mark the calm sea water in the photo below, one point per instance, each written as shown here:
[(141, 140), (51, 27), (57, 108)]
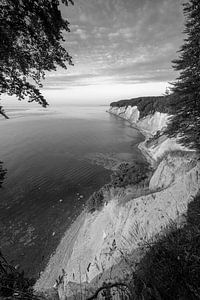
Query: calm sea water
[(46, 153)]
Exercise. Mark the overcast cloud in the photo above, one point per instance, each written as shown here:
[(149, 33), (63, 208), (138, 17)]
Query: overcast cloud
[(120, 42)]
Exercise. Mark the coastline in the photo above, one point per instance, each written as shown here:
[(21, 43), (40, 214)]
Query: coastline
[(64, 250), (97, 242), (149, 159)]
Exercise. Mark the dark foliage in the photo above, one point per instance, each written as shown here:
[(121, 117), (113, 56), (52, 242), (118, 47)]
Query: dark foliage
[(154, 138), (172, 265), (148, 105), (109, 290), (96, 201), (13, 283), (130, 174), (186, 121), (125, 175), (30, 44), (2, 174)]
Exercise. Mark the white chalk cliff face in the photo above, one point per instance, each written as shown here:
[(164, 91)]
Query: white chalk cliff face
[(149, 125), (126, 222), (124, 227)]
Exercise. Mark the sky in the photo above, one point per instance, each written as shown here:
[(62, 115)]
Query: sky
[(120, 48)]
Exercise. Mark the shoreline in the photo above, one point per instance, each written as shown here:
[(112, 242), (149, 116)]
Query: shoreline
[(94, 242), (62, 254), (149, 159)]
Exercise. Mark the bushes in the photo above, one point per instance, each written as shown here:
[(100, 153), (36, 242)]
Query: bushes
[(124, 176), (96, 201), (130, 174)]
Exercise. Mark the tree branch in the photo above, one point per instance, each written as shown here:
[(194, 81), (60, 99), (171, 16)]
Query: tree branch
[(3, 113)]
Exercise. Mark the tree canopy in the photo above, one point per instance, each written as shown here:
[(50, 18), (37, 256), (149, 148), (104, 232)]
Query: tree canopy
[(186, 121), (31, 36)]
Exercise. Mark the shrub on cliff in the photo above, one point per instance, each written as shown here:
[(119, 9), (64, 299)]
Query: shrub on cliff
[(130, 174), (96, 201)]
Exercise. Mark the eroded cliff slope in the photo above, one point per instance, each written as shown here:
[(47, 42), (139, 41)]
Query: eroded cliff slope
[(127, 221)]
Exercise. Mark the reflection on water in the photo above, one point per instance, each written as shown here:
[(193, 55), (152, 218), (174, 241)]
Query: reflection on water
[(50, 176)]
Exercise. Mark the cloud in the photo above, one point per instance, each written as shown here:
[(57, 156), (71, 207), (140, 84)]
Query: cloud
[(121, 42), (81, 33)]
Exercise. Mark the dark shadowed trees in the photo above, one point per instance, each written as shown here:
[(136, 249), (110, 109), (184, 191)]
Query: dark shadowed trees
[(31, 36), (186, 121), (2, 173)]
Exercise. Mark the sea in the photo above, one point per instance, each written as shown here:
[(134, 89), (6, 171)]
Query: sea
[(55, 159)]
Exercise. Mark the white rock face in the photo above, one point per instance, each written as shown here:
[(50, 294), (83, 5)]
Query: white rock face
[(124, 227), (129, 113), (163, 145), (150, 124), (169, 170)]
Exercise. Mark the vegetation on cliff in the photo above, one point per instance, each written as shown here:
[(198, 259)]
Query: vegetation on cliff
[(170, 269), (128, 174), (134, 175), (186, 120)]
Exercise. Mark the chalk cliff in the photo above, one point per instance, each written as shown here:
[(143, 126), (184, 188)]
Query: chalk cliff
[(149, 126), (126, 222)]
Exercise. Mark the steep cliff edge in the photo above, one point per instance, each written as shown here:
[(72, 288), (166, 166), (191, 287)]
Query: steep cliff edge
[(149, 126), (127, 221), (122, 228)]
